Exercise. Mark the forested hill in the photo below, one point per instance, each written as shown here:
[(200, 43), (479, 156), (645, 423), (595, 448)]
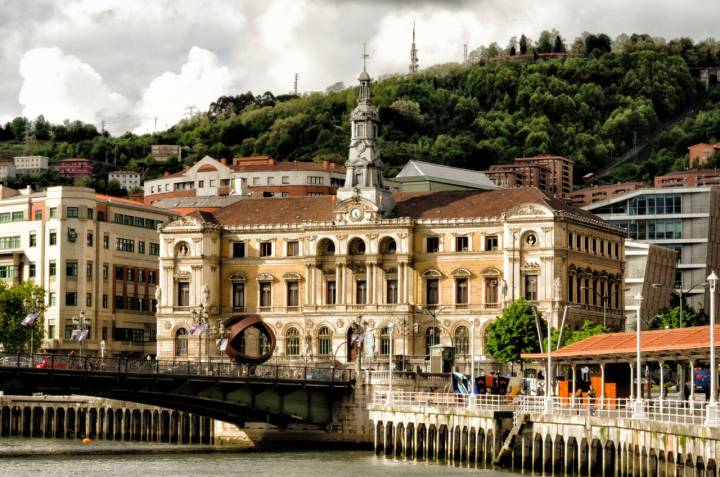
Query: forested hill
[(589, 108)]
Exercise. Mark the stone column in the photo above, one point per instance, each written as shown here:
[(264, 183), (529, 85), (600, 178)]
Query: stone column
[(308, 281), (401, 282), (602, 386), (369, 286), (338, 283)]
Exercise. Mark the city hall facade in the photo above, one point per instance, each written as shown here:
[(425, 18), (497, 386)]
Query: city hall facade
[(415, 269)]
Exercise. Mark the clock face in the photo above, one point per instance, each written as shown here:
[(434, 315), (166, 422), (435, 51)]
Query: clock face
[(355, 214)]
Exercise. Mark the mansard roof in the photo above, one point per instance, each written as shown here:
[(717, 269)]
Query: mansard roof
[(423, 206)]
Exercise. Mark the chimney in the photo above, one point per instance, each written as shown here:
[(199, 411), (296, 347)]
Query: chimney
[(166, 174), (326, 165)]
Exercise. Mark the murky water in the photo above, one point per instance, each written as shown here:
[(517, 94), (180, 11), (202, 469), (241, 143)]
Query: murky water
[(110, 459)]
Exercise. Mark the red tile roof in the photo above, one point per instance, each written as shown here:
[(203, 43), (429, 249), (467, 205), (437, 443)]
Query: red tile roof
[(433, 205), (288, 166), (680, 339)]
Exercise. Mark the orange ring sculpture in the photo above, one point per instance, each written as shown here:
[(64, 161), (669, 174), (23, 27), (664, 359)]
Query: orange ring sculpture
[(238, 325)]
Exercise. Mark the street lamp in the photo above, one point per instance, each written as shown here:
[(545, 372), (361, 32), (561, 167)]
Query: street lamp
[(639, 411), (200, 319), (472, 356), (712, 411), (80, 322), (30, 322), (680, 293)]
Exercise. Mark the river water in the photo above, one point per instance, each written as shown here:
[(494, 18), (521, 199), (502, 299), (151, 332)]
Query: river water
[(61, 458)]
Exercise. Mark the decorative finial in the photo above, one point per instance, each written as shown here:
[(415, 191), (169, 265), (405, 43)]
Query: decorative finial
[(365, 56)]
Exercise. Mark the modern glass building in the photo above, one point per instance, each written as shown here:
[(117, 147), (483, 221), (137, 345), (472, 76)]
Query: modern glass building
[(681, 218)]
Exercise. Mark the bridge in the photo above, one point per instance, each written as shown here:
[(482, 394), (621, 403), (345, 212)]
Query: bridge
[(275, 394)]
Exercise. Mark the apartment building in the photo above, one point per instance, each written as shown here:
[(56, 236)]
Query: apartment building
[(75, 167), (128, 180), (93, 254), (552, 174), (31, 164)]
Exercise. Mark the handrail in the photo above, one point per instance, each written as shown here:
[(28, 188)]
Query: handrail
[(182, 368)]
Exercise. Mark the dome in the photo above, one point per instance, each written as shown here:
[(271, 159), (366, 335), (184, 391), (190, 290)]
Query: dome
[(364, 76)]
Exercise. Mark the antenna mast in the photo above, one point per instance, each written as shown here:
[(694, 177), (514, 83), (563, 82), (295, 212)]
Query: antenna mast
[(413, 53)]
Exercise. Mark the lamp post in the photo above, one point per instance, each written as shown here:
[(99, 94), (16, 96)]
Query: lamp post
[(711, 418), (200, 318), (80, 322), (102, 349), (639, 411), (680, 293), (605, 299), (472, 356)]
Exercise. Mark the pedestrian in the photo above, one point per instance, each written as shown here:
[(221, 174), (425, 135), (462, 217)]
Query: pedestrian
[(591, 398)]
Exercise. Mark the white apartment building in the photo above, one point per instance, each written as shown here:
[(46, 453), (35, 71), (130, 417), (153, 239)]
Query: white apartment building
[(128, 179), (91, 253), (260, 176), (31, 164), (7, 170)]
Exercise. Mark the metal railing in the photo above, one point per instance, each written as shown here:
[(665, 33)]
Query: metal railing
[(183, 368), (444, 401), (656, 410)]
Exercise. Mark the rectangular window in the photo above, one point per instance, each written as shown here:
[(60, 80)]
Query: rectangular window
[(10, 242), (285, 179), (238, 249), (119, 273), (104, 333), (392, 291), (461, 291), (152, 276), (90, 213), (51, 331), (53, 212), (73, 212), (201, 184), (71, 269), (270, 180), (106, 241), (38, 214), (52, 268), (265, 249), (256, 180), (68, 331), (18, 216), (33, 239), (491, 242), (531, 287), (462, 244), (238, 297), (315, 180), (141, 276), (432, 295), (104, 301), (9, 271), (293, 294), (52, 298), (331, 293), (31, 271), (293, 248), (89, 270), (361, 292), (432, 244), (88, 299), (125, 245), (265, 294), (141, 247), (155, 249), (131, 274), (105, 271), (183, 295), (71, 299), (491, 290), (89, 239), (53, 237)]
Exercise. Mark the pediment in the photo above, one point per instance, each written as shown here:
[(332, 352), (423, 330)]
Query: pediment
[(530, 210)]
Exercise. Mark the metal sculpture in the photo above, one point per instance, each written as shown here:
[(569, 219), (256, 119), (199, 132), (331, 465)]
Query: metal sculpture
[(238, 325)]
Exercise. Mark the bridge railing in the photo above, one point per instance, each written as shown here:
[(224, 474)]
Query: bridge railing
[(169, 367)]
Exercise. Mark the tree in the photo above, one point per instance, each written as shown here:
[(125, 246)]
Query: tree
[(588, 329), (83, 181), (545, 42), (514, 332), (16, 302), (559, 46), (670, 318), (523, 44)]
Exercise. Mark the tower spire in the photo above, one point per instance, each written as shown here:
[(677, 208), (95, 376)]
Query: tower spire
[(413, 53)]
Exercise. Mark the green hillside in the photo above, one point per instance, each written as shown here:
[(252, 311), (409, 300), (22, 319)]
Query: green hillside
[(591, 108)]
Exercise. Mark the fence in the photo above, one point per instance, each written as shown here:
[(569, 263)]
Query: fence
[(184, 368), (658, 410)]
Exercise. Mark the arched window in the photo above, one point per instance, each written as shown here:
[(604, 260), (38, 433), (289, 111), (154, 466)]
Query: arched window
[(461, 340), (292, 342), (326, 247), (324, 341), (357, 247), (181, 342), (388, 246), (432, 338), (385, 340)]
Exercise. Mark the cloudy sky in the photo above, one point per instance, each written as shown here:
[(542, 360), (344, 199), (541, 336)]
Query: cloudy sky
[(128, 62)]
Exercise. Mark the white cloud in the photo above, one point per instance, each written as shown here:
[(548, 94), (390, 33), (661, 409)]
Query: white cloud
[(61, 86), (201, 80)]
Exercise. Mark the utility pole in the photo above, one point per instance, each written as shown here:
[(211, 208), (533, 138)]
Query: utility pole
[(102, 127), (190, 110), (295, 84), (413, 53), (155, 118), (465, 53), (26, 137)]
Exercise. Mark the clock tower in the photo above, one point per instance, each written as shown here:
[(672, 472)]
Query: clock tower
[(364, 166)]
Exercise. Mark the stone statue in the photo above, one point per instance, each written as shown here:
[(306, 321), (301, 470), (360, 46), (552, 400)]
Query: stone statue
[(557, 286), (158, 294), (205, 295), (503, 289)]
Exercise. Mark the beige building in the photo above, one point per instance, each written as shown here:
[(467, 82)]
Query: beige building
[(31, 164), (408, 269), (92, 253)]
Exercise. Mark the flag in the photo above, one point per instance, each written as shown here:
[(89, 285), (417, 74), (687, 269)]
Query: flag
[(30, 319), (222, 344), (193, 328), (75, 335), (369, 344)]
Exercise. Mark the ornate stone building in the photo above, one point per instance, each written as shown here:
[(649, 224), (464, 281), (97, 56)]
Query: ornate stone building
[(437, 266)]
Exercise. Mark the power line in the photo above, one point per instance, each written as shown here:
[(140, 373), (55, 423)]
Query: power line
[(190, 110)]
